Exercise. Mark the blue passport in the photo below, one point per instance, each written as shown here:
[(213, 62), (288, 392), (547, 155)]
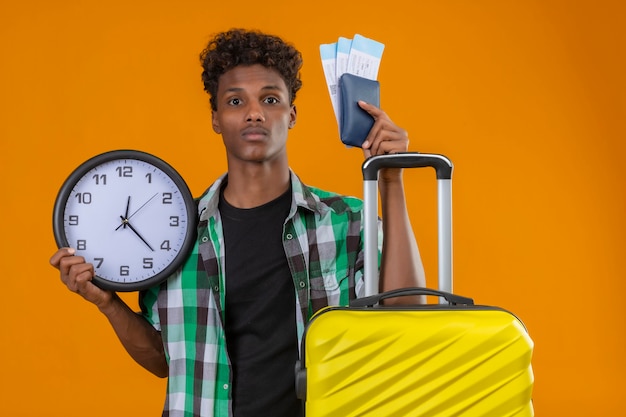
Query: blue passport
[(354, 122)]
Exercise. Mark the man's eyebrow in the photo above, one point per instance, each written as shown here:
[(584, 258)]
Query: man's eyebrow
[(270, 87)]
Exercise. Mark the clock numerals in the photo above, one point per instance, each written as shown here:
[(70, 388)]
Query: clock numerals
[(167, 198), (174, 221), (148, 263), (100, 179), (81, 244), (83, 198), (166, 245), (149, 177), (124, 171), (72, 220), (98, 262), (124, 270)]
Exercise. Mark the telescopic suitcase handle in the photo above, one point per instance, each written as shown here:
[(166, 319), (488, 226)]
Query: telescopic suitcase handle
[(441, 164), (443, 168)]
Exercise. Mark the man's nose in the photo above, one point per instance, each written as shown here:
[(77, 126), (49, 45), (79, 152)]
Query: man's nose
[(255, 114)]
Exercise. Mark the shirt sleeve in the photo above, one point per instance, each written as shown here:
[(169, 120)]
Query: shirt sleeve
[(149, 306)]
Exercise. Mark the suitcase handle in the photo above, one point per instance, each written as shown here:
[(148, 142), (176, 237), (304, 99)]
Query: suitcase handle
[(372, 300), (443, 168), (441, 164)]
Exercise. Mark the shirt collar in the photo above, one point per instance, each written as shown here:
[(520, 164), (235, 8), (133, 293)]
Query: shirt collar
[(302, 197)]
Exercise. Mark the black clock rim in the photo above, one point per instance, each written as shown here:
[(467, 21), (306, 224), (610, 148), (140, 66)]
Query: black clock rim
[(60, 202)]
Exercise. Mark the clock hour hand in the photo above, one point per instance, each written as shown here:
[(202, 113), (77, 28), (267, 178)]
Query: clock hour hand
[(127, 223)]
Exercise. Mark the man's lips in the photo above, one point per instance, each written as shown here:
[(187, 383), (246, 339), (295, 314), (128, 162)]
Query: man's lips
[(254, 133)]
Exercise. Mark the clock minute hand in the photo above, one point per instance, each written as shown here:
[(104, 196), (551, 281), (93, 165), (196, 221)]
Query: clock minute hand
[(126, 222), (127, 208), (125, 217)]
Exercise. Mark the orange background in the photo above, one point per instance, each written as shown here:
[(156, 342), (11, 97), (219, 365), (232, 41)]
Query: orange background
[(526, 97)]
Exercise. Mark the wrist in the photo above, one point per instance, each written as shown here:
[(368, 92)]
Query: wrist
[(390, 177), (109, 304)]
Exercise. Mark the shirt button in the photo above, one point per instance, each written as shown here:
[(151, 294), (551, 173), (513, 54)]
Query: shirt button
[(225, 386), (216, 289), (302, 284), (289, 236), (204, 238)]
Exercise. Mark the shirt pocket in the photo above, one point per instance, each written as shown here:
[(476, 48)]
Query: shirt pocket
[(329, 284)]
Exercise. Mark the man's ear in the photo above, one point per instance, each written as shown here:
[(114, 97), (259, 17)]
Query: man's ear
[(292, 117), (215, 123)]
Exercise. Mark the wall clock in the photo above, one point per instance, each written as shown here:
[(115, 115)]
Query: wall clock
[(130, 214)]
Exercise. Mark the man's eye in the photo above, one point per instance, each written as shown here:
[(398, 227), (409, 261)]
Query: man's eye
[(271, 100), (234, 102)]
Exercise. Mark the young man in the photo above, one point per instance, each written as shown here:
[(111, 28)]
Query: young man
[(270, 252)]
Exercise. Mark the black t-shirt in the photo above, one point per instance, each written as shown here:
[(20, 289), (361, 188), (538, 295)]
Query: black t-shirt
[(260, 318)]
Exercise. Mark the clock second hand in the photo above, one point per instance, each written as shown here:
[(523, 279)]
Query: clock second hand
[(142, 206)]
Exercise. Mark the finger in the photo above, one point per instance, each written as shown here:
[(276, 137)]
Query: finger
[(80, 277), (370, 140), (373, 111), (84, 282), (390, 147), (384, 129), (380, 134), (376, 114), (71, 267), (387, 138), (67, 262), (60, 254)]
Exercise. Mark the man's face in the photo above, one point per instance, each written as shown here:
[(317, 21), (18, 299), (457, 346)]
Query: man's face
[(253, 114)]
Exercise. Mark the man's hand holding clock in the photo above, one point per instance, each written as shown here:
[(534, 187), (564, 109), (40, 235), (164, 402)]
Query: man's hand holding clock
[(77, 275)]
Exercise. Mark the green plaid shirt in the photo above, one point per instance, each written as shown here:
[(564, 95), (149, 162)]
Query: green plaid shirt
[(322, 237)]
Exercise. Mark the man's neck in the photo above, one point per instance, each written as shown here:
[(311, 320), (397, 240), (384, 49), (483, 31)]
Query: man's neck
[(254, 186)]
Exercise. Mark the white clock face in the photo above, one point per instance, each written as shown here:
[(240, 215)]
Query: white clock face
[(128, 218)]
